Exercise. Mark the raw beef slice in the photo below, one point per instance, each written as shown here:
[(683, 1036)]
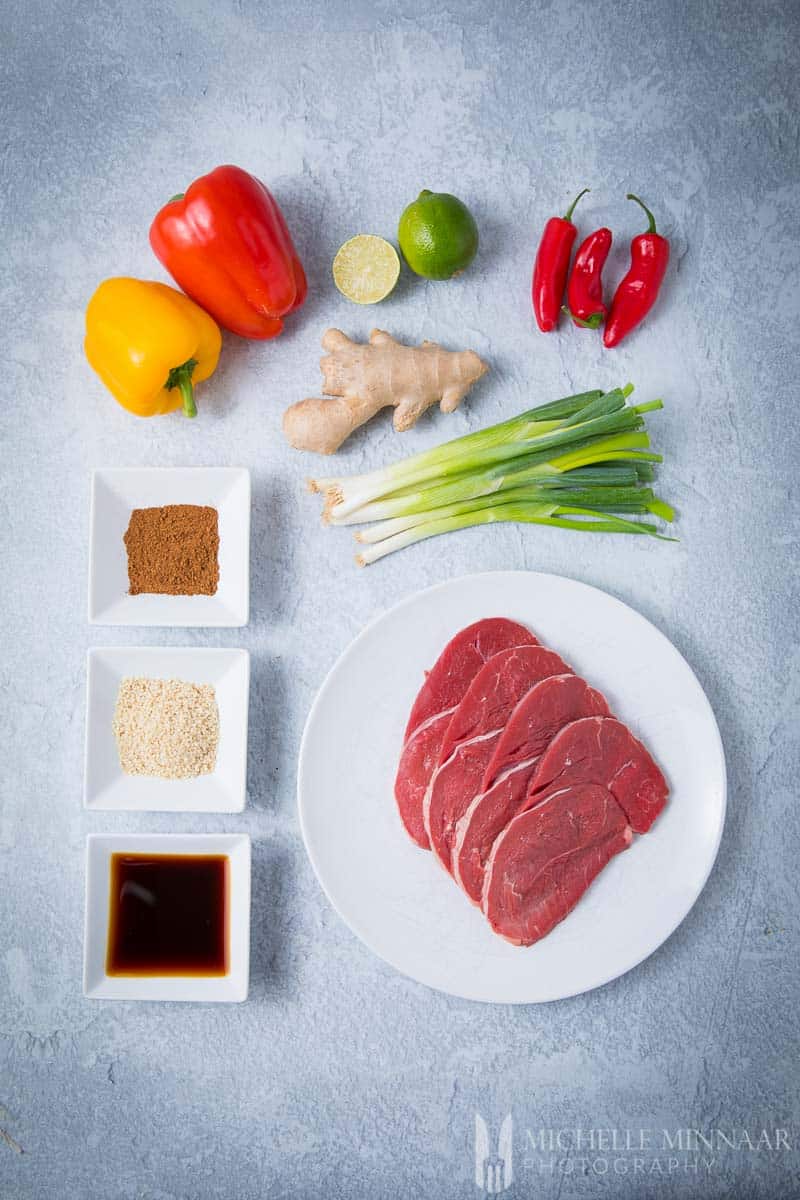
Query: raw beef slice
[(473, 733), (545, 860), (604, 751), (444, 688), (538, 717)]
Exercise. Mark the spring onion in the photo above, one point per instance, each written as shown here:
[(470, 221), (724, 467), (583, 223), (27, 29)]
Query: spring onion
[(484, 445), (535, 470), (606, 500), (534, 514), (583, 462)]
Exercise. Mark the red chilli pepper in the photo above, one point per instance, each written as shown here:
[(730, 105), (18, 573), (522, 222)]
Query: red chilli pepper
[(585, 288), (637, 292), (551, 266)]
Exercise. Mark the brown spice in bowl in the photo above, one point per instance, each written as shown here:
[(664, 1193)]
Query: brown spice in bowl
[(173, 550)]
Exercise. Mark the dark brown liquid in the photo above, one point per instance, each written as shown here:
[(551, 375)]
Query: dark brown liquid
[(168, 915)]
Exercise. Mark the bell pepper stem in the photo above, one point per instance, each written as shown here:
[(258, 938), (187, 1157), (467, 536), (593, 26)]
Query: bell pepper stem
[(187, 394), (181, 378), (592, 322), (571, 209), (652, 226), (177, 196)]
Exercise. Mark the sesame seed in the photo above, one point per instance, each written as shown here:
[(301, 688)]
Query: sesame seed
[(166, 727)]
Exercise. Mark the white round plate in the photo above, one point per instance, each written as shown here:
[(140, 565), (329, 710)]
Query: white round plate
[(397, 899)]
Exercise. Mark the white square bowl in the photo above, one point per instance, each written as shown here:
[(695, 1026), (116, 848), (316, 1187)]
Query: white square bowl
[(106, 786), (115, 493), (97, 985)]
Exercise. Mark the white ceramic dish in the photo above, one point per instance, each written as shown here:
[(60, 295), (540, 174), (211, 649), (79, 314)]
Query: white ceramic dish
[(115, 493), (397, 899), (97, 985), (105, 784)]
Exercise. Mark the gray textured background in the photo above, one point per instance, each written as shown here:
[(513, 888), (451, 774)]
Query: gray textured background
[(338, 1078)]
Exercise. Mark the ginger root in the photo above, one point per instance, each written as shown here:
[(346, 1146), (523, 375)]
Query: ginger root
[(366, 378)]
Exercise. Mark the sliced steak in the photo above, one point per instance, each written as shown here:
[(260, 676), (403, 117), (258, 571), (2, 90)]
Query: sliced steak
[(444, 687), (604, 751), (545, 860), (459, 663), (540, 714), (472, 735)]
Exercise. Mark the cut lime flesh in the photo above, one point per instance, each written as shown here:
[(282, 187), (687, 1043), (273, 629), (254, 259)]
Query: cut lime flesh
[(366, 269)]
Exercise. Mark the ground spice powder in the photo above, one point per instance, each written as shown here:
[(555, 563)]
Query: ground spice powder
[(173, 550)]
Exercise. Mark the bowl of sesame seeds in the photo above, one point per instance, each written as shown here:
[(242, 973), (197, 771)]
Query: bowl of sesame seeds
[(166, 729)]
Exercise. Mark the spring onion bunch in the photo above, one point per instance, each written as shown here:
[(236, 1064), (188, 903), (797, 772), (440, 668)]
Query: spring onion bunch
[(583, 462)]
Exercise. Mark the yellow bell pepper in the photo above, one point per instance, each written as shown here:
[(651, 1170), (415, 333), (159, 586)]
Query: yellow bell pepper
[(150, 344)]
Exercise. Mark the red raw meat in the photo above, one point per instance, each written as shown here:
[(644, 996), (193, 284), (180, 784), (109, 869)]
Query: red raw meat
[(444, 687), (473, 733), (546, 859), (538, 717), (604, 751)]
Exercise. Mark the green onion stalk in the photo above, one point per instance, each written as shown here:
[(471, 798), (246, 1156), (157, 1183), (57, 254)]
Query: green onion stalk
[(557, 516), (537, 469), (548, 416), (603, 499), (548, 425), (581, 463)]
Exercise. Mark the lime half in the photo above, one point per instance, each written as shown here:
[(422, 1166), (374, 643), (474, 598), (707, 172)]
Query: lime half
[(366, 269)]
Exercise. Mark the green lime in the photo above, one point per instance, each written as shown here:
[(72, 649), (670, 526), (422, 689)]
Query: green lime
[(438, 235)]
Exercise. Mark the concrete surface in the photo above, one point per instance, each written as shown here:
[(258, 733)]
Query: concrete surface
[(338, 1078)]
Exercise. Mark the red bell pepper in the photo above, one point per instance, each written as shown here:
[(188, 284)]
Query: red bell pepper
[(585, 288), (637, 292), (226, 243), (551, 266)]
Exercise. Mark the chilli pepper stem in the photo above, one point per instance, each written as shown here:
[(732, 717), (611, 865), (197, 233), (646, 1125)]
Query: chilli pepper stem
[(571, 209), (181, 378), (652, 226), (594, 321)]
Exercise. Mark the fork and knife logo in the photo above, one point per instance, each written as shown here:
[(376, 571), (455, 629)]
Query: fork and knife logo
[(493, 1172)]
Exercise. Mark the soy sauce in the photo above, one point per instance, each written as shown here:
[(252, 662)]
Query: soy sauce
[(168, 915)]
